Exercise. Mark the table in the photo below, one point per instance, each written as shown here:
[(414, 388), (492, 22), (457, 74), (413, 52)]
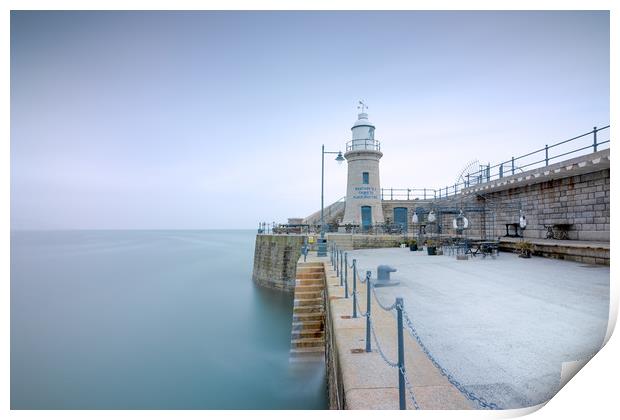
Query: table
[(517, 229), (485, 248)]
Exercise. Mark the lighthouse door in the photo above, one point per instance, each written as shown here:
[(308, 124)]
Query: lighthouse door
[(400, 217), (366, 217)]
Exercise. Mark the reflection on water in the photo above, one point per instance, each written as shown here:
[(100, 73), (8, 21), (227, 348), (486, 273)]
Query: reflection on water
[(149, 320)]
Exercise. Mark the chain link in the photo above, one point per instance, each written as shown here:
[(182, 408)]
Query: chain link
[(357, 303), (383, 356), (385, 308), (409, 389), (470, 395)]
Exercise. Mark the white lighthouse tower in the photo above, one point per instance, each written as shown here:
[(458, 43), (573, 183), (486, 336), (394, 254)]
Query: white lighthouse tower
[(363, 203)]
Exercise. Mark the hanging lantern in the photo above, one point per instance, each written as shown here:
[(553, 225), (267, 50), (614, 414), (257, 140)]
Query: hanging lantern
[(460, 222), (432, 217), (414, 219)]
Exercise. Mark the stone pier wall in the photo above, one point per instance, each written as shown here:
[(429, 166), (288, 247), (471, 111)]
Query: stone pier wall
[(275, 260), (575, 192)]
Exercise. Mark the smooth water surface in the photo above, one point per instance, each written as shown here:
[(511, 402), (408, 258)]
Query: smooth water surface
[(149, 320)]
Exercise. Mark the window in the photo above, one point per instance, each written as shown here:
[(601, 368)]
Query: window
[(364, 177)]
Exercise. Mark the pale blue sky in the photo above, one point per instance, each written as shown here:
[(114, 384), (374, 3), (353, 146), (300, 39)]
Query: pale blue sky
[(216, 119)]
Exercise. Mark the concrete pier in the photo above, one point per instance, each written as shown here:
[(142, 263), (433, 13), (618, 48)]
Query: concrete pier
[(362, 381)]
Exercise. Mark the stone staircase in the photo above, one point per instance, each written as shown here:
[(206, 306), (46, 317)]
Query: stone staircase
[(308, 329), (343, 241)]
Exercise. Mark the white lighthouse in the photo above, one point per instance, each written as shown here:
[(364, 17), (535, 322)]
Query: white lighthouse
[(363, 203)]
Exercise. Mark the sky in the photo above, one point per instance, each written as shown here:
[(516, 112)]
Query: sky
[(215, 120)]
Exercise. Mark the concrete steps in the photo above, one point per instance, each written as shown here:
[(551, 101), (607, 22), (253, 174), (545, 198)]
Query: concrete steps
[(308, 326), (342, 241)]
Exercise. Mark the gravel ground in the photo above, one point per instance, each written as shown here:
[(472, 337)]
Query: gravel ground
[(501, 326)]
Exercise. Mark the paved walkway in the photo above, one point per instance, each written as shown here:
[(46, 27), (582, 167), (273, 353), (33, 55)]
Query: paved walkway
[(503, 327), (369, 383)]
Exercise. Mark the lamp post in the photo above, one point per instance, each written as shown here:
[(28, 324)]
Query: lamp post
[(322, 248)]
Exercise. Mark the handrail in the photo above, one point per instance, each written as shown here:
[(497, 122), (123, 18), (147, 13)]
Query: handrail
[(509, 167)]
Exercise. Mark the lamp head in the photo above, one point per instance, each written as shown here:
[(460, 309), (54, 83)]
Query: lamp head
[(339, 158)]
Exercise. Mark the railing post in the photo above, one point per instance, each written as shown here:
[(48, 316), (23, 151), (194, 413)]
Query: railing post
[(467, 183), (337, 263), (391, 193), (501, 170), (425, 193), (513, 165), (341, 268), (401, 355), (346, 275), (454, 189), (546, 155), (368, 286), (488, 172), (408, 194), (354, 288), (595, 145)]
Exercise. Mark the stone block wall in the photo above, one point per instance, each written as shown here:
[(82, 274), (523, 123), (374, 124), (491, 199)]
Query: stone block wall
[(275, 260), (582, 201), (376, 241)]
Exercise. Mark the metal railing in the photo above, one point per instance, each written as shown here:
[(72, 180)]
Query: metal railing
[(408, 193), (339, 262), (363, 144), (545, 156)]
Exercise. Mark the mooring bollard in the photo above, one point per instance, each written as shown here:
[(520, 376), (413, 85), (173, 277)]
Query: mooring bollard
[(368, 286), (346, 274), (354, 288), (401, 354)]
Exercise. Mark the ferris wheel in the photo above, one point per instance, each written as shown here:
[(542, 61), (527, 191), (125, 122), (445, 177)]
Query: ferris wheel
[(471, 173)]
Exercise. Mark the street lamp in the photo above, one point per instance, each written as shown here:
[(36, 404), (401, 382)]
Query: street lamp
[(322, 248)]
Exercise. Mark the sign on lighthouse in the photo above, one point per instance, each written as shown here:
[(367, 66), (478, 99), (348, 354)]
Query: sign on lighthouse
[(363, 202)]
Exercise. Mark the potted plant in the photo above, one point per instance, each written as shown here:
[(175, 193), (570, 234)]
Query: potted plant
[(413, 245), (525, 249), (431, 247)]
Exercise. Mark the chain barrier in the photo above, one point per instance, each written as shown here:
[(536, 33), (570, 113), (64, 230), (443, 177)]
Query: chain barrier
[(385, 308), (414, 334), (359, 308), (470, 395), (361, 279), (370, 323), (409, 389), (379, 349)]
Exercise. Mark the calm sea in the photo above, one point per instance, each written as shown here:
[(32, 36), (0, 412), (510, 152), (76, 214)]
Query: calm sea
[(149, 320)]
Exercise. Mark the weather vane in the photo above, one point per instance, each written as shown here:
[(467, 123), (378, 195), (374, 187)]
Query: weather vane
[(362, 106)]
